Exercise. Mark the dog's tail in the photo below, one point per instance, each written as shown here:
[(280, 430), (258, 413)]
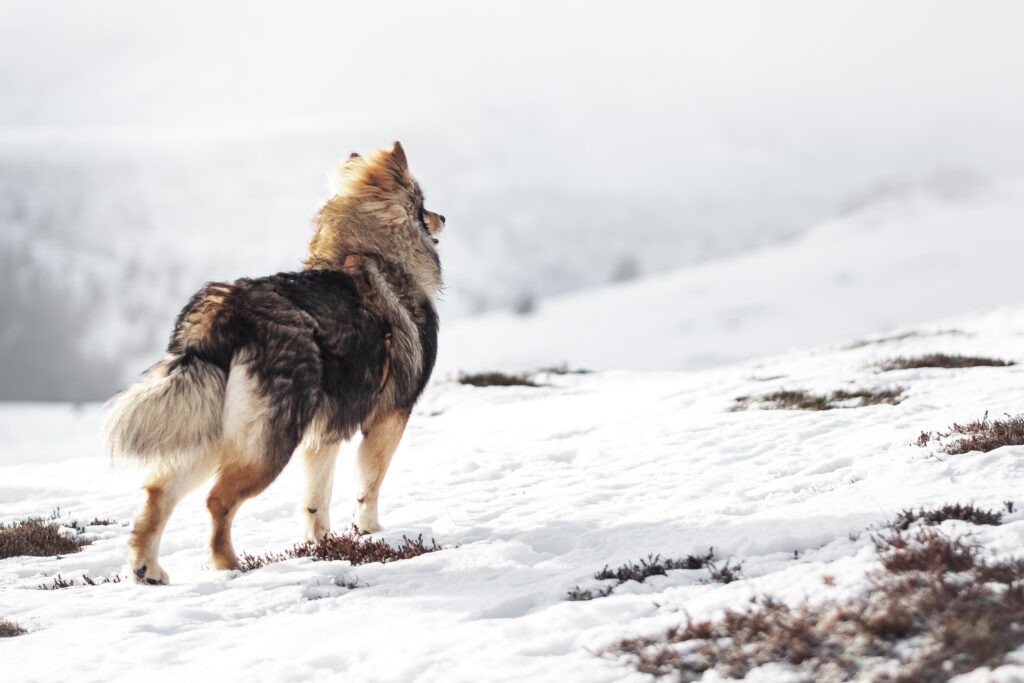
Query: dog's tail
[(174, 411)]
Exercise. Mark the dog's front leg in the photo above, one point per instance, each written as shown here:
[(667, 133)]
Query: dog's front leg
[(319, 460), (380, 439)]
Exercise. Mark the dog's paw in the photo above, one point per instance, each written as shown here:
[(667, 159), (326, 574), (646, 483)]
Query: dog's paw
[(366, 522), (318, 526), (224, 561), (143, 567), (149, 573)]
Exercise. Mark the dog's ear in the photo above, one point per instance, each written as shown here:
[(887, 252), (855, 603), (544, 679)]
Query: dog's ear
[(398, 157), (344, 173), (354, 161), (394, 163)]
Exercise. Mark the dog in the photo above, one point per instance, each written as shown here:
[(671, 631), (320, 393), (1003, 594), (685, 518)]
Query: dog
[(259, 369)]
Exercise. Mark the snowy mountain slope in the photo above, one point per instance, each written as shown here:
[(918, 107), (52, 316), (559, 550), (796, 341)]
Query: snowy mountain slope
[(908, 257), (531, 490)]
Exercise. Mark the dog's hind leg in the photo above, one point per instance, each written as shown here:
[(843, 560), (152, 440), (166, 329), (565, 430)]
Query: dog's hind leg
[(165, 485), (236, 483), (319, 460), (381, 435), (262, 432)]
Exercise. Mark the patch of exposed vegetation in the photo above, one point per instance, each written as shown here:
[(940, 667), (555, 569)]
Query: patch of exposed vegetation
[(519, 379), (980, 435), (40, 537), (350, 547), (964, 513), (803, 400), (941, 360), (580, 594), (60, 582), (9, 629), (960, 610), (655, 566), (496, 379)]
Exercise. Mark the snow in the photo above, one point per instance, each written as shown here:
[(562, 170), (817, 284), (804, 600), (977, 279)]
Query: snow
[(531, 491), (908, 257)]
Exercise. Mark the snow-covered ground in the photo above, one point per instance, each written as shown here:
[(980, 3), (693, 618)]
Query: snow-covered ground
[(531, 490)]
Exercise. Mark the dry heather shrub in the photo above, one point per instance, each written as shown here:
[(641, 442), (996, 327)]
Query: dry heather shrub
[(37, 536), (496, 379), (940, 360), (520, 379), (980, 435), (59, 582), (957, 511), (350, 547), (802, 400), (959, 610), (924, 550), (655, 566), (8, 629)]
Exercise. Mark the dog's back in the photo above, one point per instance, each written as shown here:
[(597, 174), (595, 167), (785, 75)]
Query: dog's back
[(262, 356)]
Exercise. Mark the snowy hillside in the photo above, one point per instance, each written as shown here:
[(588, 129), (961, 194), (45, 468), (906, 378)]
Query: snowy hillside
[(908, 256), (531, 490)]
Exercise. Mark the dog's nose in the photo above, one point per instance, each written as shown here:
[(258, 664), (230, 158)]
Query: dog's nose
[(442, 220)]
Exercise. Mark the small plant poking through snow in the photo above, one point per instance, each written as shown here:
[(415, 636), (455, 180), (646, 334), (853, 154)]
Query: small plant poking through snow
[(960, 611), (981, 435), (38, 537), (496, 379), (941, 360), (802, 400), (655, 566), (350, 547), (727, 573), (923, 550), (60, 582), (8, 629), (579, 594)]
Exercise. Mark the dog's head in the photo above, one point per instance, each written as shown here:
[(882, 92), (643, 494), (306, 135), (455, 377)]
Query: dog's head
[(376, 207), (383, 176)]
